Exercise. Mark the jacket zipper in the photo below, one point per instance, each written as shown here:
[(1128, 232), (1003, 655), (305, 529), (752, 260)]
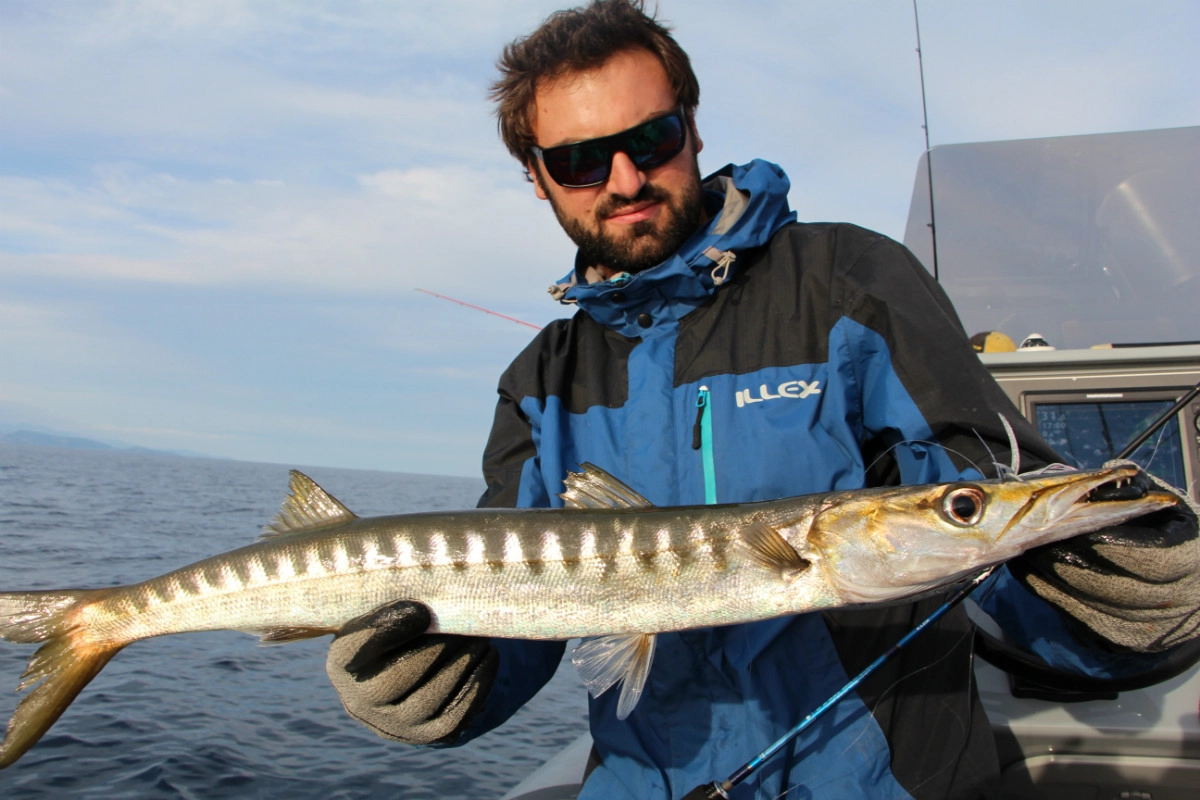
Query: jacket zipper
[(702, 441)]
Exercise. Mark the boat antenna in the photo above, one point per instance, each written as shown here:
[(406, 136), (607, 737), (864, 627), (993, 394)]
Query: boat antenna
[(484, 310), (928, 154)]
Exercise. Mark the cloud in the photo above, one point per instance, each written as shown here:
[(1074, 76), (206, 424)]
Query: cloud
[(395, 229), (213, 214), (236, 83)]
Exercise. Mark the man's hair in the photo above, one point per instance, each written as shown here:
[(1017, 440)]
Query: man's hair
[(578, 40)]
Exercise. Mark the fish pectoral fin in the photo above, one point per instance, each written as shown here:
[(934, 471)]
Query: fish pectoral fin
[(764, 545), (273, 636), (595, 488), (306, 508), (605, 660)]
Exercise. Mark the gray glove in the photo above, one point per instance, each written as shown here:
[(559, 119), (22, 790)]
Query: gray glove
[(408, 685), (1137, 585)]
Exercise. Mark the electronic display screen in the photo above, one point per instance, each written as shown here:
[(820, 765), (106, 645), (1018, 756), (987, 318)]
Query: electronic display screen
[(1087, 434)]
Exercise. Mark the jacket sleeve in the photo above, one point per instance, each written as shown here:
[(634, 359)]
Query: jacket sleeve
[(933, 414), (525, 665), (510, 460)]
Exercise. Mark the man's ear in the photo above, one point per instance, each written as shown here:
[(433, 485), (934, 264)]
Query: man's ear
[(691, 118), (536, 177)]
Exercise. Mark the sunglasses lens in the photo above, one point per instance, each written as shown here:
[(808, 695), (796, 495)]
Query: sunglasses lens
[(588, 163), (583, 164), (656, 142)]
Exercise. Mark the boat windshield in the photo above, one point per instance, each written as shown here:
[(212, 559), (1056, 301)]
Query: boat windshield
[(1084, 239)]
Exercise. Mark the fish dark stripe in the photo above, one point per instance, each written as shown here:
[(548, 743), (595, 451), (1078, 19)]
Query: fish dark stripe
[(493, 549), (213, 574), (188, 582), (387, 547), (570, 546), (240, 567), (355, 551), (327, 556), (270, 567)]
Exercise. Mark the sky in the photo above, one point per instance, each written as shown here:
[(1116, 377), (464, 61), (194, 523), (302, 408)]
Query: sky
[(214, 216)]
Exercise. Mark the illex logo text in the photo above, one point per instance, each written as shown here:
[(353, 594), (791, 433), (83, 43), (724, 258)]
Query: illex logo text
[(794, 390)]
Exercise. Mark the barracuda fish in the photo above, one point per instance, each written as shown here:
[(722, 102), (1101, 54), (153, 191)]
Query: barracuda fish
[(609, 565)]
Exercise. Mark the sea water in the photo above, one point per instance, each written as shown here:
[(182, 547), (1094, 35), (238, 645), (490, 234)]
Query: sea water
[(215, 715)]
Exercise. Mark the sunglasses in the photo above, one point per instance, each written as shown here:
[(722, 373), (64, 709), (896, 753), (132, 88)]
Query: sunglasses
[(589, 163)]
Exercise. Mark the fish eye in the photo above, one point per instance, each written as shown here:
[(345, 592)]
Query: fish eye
[(963, 505)]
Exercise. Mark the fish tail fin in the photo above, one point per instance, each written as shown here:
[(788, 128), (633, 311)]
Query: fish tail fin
[(65, 663)]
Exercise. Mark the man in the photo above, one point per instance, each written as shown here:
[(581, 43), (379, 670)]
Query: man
[(724, 352)]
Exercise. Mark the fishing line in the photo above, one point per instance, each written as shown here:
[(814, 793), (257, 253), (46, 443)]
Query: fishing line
[(720, 789), (1159, 441), (933, 445), (1003, 471), (963, 723), (481, 308), (972, 705)]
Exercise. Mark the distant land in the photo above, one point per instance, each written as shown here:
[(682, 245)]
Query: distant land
[(27, 437), (52, 440)]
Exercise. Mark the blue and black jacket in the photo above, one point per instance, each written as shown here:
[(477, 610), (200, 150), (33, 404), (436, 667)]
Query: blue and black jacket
[(767, 359)]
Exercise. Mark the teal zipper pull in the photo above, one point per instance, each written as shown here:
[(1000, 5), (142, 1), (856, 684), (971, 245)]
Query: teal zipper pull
[(702, 441)]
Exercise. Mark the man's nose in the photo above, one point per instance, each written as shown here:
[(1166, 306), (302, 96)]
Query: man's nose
[(625, 179)]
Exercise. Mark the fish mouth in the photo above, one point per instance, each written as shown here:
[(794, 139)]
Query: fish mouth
[(1123, 487), (1109, 490), (1081, 500), (1074, 502)]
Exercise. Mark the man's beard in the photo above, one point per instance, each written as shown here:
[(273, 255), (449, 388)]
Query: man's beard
[(642, 245)]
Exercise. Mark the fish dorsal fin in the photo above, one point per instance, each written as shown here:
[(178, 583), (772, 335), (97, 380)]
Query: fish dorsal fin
[(595, 488), (605, 660), (306, 507), (764, 545)]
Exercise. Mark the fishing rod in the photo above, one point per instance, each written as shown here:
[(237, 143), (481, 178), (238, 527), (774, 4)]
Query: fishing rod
[(719, 790), (1158, 423), (928, 153), (484, 310)]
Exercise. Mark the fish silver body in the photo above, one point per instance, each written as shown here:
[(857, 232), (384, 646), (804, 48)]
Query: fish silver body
[(614, 567), (530, 574)]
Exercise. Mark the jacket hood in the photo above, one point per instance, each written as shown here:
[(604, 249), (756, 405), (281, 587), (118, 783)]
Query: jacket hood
[(752, 201)]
